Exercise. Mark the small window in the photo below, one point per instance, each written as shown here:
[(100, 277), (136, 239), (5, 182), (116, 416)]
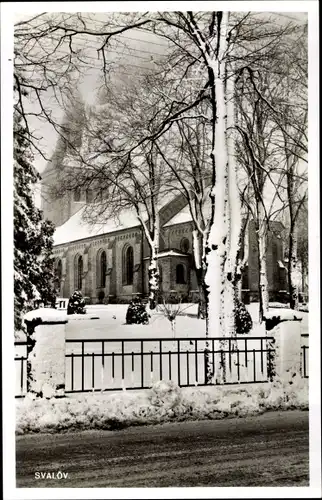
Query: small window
[(102, 269), (77, 194), (78, 273), (58, 274), (89, 196), (180, 275), (184, 245), (127, 265), (59, 270)]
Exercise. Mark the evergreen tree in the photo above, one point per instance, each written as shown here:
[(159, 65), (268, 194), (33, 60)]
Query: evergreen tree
[(33, 242)]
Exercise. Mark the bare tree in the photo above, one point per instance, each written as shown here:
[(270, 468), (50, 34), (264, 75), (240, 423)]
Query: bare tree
[(202, 46)]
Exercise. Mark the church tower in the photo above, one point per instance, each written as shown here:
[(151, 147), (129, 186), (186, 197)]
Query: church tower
[(59, 204)]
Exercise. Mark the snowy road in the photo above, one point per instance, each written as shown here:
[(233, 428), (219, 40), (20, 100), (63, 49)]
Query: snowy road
[(267, 450)]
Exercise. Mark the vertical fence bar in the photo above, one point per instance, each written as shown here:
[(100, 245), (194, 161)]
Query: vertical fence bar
[(82, 365), (169, 365), (21, 374), (103, 354), (160, 351), (246, 354), (151, 361), (132, 361), (122, 359), (113, 366), (254, 364), (179, 367), (93, 365), (238, 369), (213, 356), (262, 360), (205, 364), (142, 367), (304, 361), (196, 359), (102, 368), (72, 371), (229, 348), (188, 367), (223, 364)]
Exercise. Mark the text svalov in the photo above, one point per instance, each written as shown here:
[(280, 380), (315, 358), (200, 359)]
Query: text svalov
[(51, 475)]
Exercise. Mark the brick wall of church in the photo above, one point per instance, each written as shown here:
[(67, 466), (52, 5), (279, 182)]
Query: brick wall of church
[(114, 244)]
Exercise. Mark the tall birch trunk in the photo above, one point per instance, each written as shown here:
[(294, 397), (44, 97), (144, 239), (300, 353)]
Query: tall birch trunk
[(241, 262), (153, 270), (216, 247), (233, 216), (261, 229), (292, 271), (152, 237), (197, 245)]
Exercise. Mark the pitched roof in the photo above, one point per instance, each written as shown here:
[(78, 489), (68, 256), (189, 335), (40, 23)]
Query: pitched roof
[(76, 228)]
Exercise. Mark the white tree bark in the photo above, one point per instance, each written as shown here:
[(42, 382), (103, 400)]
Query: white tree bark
[(295, 273), (262, 263), (153, 241), (217, 238), (233, 216)]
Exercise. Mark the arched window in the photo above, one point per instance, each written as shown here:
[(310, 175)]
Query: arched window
[(101, 269), (127, 265), (78, 282), (180, 275), (184, 245), (58, 275), (59, 268), (89, 195), (77, 194)]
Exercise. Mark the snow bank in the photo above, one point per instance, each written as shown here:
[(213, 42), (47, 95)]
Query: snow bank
[(284, 314), (164, 402), (47, 315)]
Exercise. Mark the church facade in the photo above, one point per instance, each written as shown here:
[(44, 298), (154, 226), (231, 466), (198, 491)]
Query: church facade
[(109, 263)]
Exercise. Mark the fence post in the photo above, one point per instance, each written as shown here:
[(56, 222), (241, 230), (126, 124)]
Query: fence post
[(46, 352), (285, 357)]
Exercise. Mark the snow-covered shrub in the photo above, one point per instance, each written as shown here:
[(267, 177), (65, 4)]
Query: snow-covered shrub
[(243, 319), (136, 313), (76, 303)]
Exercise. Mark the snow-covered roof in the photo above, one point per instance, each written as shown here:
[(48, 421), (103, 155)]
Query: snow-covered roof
[(169, 253), (76, 228), (185, 216), (181, 217)]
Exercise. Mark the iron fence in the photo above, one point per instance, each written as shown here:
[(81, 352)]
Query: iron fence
[(305, 355), (21, 368), (116, 364)]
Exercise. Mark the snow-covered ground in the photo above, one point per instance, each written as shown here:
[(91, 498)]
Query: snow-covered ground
[(164, 402)]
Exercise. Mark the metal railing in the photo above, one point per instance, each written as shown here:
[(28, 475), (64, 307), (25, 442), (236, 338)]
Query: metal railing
[(116, 364), (21, 369), (304, 355)]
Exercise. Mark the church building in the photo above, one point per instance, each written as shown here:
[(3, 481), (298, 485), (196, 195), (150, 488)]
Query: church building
[(109, 262)]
